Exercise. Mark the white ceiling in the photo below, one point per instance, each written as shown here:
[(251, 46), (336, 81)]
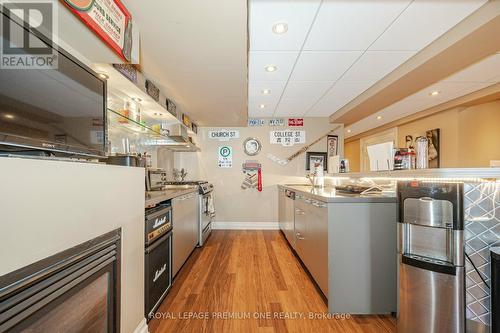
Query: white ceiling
[(475, 77), (196, 52), (336, 49)]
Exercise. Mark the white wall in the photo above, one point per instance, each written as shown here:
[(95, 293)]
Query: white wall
[(234, 204), (49, 206)]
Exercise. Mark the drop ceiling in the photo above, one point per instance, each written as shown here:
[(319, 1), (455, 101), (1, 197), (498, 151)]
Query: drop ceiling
[(196, 52), (334, 50), (473, 78)]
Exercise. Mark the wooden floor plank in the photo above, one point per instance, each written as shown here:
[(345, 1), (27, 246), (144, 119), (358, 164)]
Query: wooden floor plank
[(250, 281)]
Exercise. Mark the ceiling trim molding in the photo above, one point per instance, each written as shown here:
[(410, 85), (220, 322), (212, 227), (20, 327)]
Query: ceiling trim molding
[(486, 95), (468, 42)]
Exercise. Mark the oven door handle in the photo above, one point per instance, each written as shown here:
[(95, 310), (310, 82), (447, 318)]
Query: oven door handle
[(158, 242), (164, 211)]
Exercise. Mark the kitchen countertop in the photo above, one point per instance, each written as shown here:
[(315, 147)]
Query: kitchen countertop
[(331, 195), (155, 197)]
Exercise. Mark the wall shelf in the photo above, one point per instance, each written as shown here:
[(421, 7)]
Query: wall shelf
[(141, 135)]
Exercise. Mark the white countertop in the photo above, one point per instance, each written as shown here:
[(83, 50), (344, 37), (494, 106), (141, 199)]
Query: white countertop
[(155, 197), (330, 194), (470, 174)]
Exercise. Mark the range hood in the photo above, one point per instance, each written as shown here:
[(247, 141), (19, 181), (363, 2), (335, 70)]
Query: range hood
[(179, 134)]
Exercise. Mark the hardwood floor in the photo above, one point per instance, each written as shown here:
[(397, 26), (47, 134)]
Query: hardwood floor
[(250, 281)]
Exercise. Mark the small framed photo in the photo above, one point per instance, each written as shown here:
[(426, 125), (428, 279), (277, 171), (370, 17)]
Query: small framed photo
[(316, 157), (332, 145)]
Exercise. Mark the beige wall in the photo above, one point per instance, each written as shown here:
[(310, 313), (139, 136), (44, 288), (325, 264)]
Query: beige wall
[(50, 206), (231, 202), (469, 136)]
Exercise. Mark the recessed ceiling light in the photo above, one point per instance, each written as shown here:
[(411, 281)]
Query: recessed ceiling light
[(262, 106), (103, 76), (158, 114), (270, 68), (435, 93), (379, 117), (136, 99), (280, 28), (9, 116), (348, 131), (266, 91)]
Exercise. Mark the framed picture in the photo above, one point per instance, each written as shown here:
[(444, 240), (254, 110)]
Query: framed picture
[(316, 157), (434, 145), (332, 145)]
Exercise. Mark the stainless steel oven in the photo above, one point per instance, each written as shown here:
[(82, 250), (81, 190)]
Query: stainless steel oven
[(206, 208), (158, 256)]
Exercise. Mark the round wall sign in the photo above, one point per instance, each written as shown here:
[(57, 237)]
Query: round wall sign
[(252, 146)]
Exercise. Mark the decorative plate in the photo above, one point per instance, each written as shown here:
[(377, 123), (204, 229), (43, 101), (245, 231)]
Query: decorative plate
[(252, 146)]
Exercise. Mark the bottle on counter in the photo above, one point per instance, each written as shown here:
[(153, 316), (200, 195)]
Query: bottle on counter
[(125, 112), (422, 151)]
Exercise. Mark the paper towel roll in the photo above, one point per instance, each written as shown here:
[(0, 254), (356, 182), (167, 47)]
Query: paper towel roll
[(334, 164)]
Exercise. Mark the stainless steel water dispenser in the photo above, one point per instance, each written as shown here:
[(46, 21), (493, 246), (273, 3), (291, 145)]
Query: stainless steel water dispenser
[(431, 258)]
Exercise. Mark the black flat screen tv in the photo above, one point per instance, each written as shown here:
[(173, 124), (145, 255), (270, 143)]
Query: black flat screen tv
[(55, 112)]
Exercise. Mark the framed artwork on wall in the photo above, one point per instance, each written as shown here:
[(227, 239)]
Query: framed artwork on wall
[(316, 157), (332, 145), (433, 137)]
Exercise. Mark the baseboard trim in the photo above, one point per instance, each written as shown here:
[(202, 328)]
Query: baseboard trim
[(245, 225), (142, 327)]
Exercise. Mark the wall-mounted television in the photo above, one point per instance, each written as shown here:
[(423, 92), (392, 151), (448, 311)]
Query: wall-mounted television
[(59, 111)]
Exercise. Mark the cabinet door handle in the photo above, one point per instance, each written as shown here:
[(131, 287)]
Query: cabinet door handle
[(300, 212), (297, 235)]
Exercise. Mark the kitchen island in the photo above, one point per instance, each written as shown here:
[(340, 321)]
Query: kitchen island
[(348, 244)]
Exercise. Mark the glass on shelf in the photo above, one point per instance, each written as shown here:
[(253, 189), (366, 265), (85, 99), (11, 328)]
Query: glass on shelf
[(139, 136)]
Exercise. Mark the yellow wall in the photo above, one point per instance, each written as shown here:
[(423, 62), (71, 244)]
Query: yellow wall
[(447, 122), (351, 152), (470, 136), (479, 135)]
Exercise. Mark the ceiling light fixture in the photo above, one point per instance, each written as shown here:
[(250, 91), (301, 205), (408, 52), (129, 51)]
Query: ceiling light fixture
[(262, 106), (8, 116), (266, 91), (379, 117), (103, 76), (271, 68), (158, 114), (280, 28), (136, 99), (435, 93), (349, 131)]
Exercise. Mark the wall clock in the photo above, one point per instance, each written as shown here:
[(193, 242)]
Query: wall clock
[(252, 146)]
